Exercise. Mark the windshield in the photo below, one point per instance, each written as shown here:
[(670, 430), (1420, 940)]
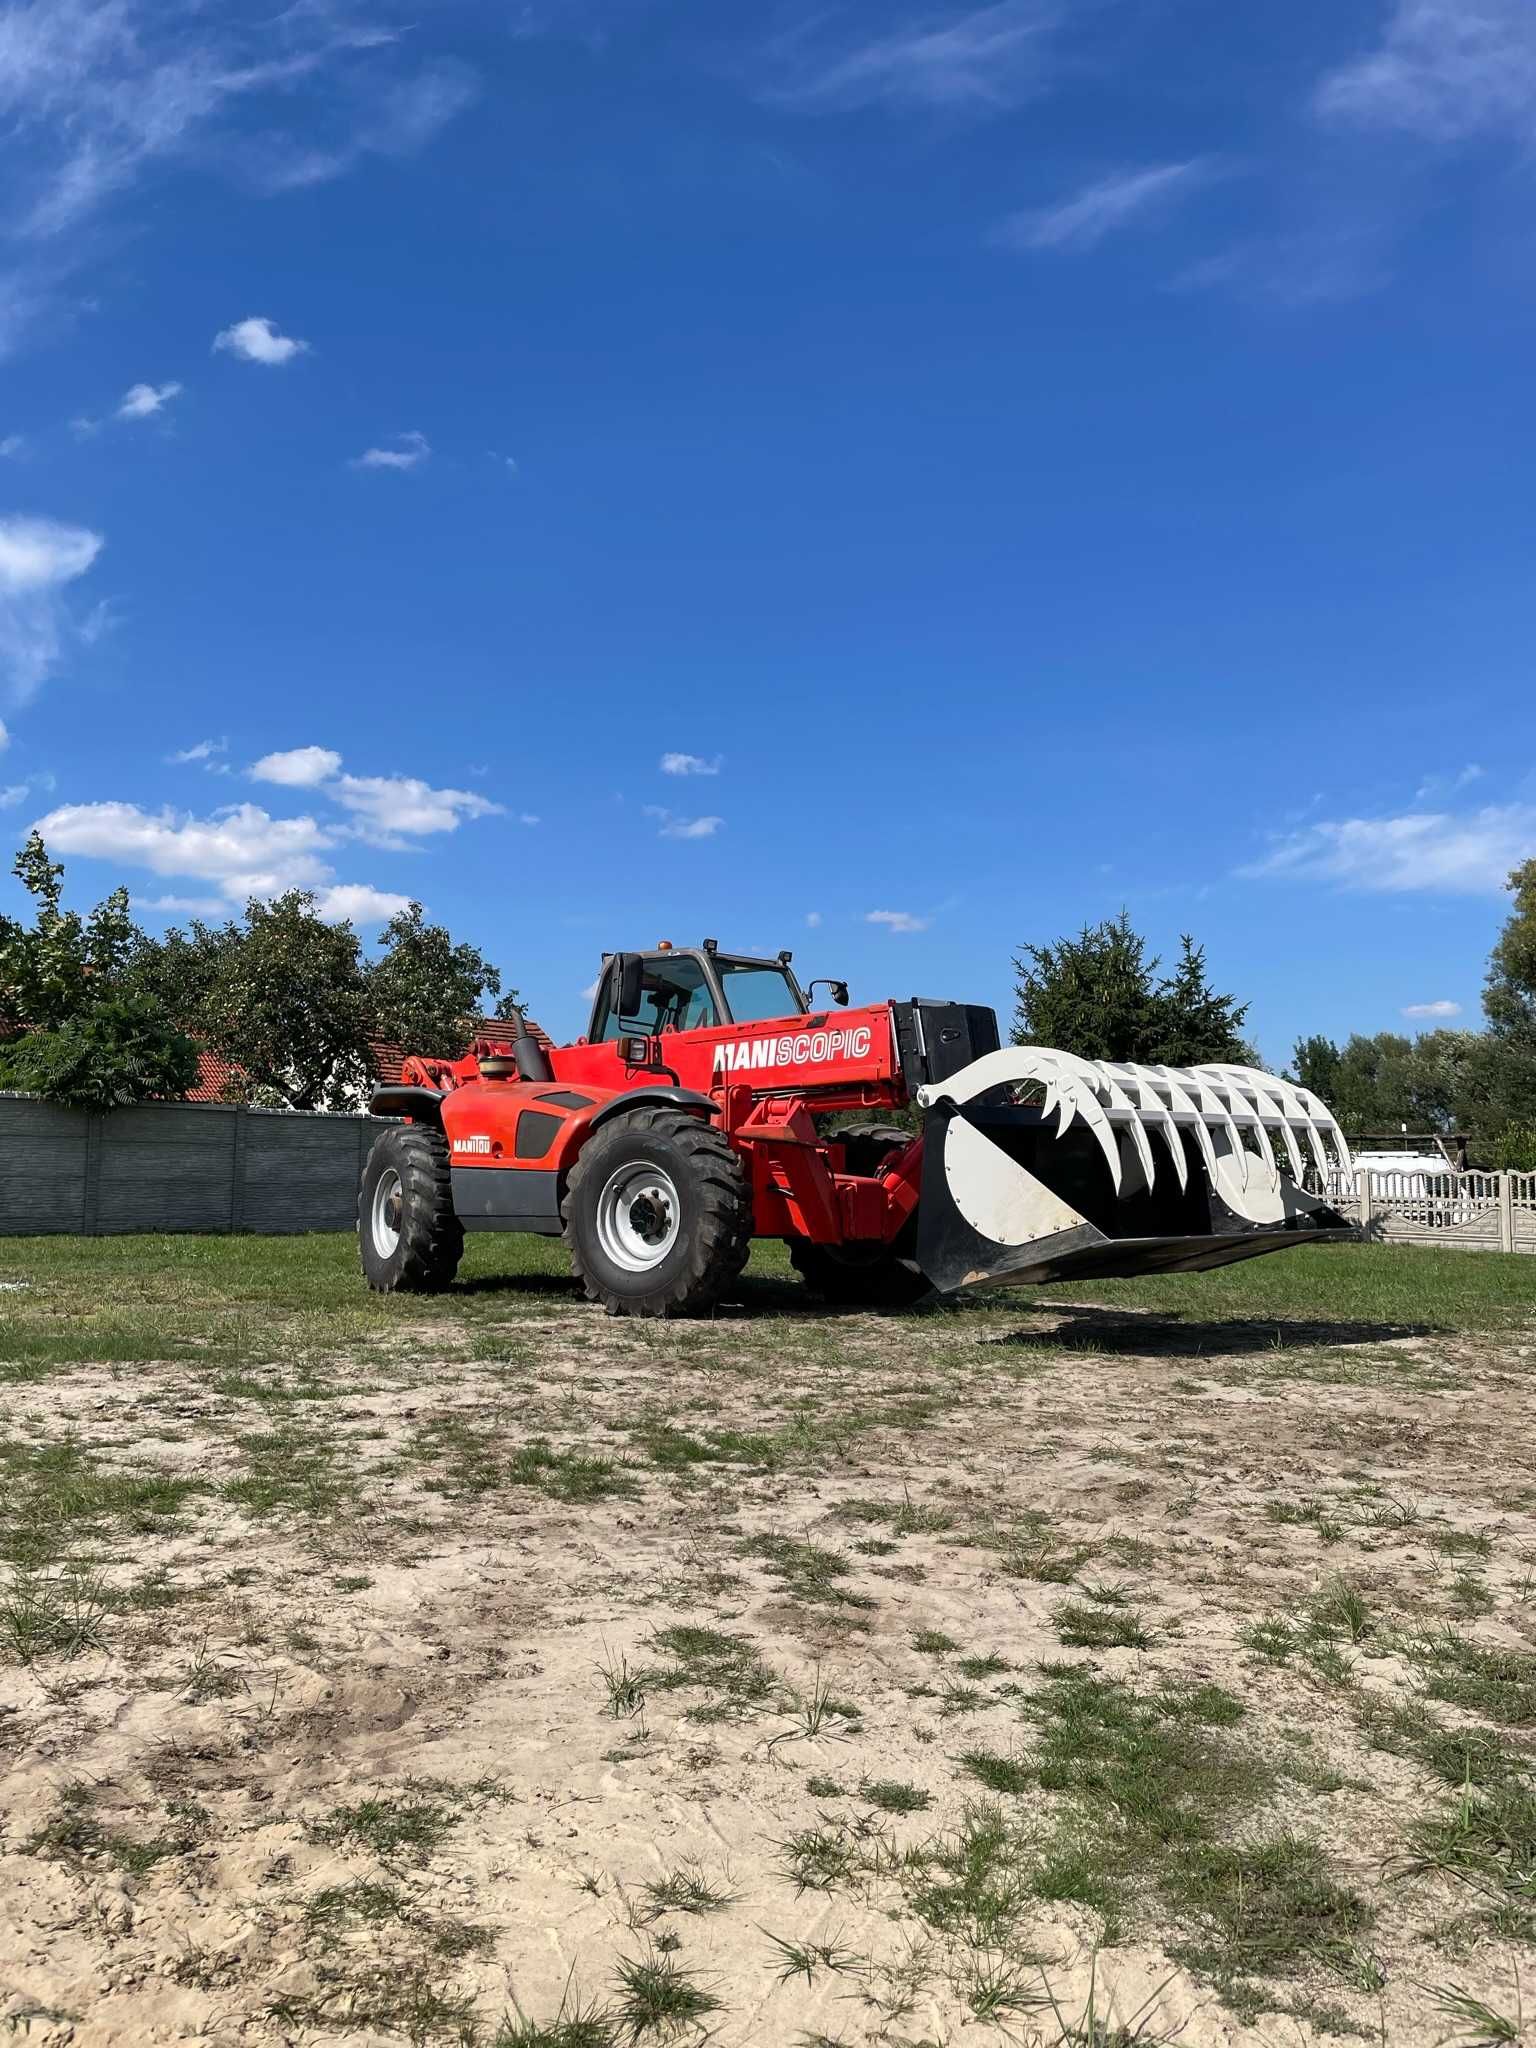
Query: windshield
[(755, 993)]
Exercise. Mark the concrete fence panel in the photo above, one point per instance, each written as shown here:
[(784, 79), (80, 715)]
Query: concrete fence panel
[(177, 1166)]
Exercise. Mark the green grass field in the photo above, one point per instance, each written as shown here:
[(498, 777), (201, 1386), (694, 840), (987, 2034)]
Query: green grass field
[(140, 1298)]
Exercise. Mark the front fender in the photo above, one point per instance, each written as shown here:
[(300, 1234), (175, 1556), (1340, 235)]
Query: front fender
[(651, 1098)]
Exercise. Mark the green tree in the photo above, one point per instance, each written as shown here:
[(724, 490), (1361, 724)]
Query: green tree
[(1509, 1003), (426, 989), (54, 968), (281, 994), (1100, 996), (113, 1052), (1315, 1064)]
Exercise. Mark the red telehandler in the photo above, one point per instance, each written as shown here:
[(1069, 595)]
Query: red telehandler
[(693, 1117)]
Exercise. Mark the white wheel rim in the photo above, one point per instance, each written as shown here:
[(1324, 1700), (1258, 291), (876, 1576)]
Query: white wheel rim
[(388, 1199), (638, 1216)]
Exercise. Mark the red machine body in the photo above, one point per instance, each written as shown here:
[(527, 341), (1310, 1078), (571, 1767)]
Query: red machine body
[(698, 1113), (762, 1084)]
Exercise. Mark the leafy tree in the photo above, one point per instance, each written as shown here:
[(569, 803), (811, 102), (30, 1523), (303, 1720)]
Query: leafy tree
[(110, 1053), (282, 995), (1509, 1003), (1100, 996), (55, 968), (1315, 1064), (426, 988)]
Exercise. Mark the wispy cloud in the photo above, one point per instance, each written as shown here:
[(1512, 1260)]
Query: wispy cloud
[(408, 451), (5, 737), (205, 752), (1443, 70), (13, 447), (39, 559), (402, 119), (1434, 788), (690, 764), (670, 826), (976, 58), (1470, 854), (99, 93), (257, 340), (898, 920), (1083, 220), (813, 918), (143, 401), (1431, 1011), (359, 903)]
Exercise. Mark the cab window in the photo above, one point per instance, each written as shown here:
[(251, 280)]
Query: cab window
[(756, 994), (675, 997)]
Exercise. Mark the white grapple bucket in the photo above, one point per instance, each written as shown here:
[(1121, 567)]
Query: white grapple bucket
[(1038, 1165)]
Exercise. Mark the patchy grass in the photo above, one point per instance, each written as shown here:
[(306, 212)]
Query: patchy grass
[(311, 1527)]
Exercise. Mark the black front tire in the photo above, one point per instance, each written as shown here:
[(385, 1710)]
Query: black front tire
[(851, 1276), (657, 1214), (408, 1235)]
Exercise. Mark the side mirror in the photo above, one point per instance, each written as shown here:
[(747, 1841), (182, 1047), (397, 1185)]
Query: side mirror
[(839, 990), (629, 969)]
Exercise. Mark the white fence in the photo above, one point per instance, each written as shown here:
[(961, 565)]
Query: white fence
[(1481, 1211)]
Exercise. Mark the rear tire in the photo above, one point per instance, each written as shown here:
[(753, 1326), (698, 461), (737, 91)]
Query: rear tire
[(657, 1214), (408, 1235)]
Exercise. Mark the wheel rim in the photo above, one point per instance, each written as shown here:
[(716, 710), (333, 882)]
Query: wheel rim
[(638, 1216), (388, 1200)]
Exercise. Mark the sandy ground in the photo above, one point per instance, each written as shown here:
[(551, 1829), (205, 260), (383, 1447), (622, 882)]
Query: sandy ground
[(417, 1630)]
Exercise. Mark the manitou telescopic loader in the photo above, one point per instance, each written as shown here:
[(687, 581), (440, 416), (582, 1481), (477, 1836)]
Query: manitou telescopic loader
[(693, 1117)]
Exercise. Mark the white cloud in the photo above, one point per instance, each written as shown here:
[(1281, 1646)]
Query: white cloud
[(13, 447), (394, 807), (408, 452), (83, 428), (975, 58), (143, 401), (690, 764), (1466, 855), (898, 920), (1083, 221), (358, 903), (1440, 1009), (529, 818), (297, 768), (12, 794), (1443, 70), (38, 558), (813, 918), (204, 751), (5, 737), (670, 826), (589, 993), (241, 849), (257, 340)]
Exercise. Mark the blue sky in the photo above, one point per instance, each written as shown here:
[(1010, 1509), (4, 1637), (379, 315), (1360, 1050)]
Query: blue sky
[(889, 482)]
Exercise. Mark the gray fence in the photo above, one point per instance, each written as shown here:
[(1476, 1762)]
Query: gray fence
[(172, 1166), (1489, 1212)]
